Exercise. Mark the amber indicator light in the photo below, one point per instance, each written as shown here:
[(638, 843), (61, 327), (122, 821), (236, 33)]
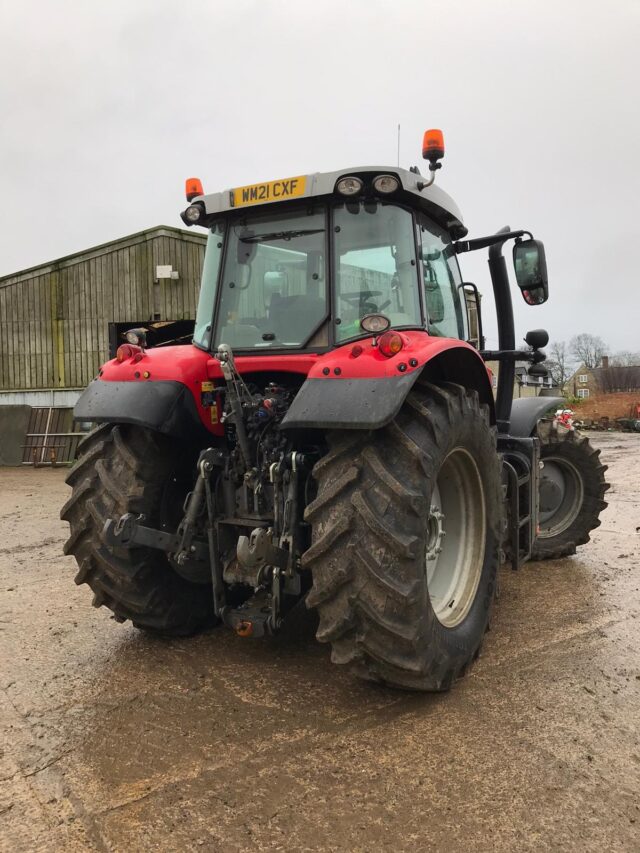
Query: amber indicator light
[(390, 344)]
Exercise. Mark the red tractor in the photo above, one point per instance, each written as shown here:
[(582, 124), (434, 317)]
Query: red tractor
[(331, 434)]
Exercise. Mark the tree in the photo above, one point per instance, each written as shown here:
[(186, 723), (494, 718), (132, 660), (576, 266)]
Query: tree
[(559, 364), (625, 359), (588, 349)]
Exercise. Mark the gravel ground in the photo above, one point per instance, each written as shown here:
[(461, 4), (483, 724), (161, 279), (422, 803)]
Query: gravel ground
[(114, 741)]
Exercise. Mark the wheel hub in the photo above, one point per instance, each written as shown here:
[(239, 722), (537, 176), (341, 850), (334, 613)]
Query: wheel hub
[(435, 532), (551, 494)]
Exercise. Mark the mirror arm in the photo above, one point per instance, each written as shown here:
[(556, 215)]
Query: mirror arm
[(485, 242), (535, 356)]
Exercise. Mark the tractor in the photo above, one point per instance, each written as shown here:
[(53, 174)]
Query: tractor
[(330, 436)]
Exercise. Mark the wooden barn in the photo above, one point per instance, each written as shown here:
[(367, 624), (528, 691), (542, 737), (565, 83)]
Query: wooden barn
[(59, 321)]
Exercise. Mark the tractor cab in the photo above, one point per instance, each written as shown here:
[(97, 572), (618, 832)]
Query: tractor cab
[(286, 274)]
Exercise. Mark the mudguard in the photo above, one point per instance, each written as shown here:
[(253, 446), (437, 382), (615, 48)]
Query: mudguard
[(164, 405), (348, 403), (527, 411), (364, 390)]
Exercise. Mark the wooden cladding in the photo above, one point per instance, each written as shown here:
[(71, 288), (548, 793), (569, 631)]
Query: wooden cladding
[(54, 319)]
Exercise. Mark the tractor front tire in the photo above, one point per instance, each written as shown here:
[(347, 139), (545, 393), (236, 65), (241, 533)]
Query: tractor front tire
[(572, 489), (123, 468), (406, 532)]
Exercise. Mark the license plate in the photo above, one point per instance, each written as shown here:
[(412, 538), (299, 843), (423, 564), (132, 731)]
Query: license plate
[(272, 191)]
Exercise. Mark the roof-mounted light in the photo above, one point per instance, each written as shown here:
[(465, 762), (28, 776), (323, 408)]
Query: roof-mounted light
[(192, 214), (349, 186), (433, 145), (432, 150), (386, 184), (193, 188)]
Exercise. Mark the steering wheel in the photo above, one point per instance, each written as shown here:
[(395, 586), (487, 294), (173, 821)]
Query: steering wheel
[(356, 299), (359, 295)]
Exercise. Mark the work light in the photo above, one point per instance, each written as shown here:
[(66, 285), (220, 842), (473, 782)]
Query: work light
[(349, 186), (192, 213), (386, 184), (375, 323)]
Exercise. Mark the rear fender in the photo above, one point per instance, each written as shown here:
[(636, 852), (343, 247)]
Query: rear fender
[(165, 406), (345, 390), (166, 389)]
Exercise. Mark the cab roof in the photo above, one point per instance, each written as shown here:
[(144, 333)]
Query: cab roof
[(432, 200)]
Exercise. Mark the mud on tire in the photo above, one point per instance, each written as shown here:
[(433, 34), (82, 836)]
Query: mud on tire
[(370, 535), (123, 468), (573, 475)]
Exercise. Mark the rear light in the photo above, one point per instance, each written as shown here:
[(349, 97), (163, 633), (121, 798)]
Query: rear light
[(193, 188), (126, 351), (390, 344)]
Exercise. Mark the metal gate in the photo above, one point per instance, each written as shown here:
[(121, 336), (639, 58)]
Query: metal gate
[(52, 437)]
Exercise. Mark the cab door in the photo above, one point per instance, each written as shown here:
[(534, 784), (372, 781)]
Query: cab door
[(446, 315)]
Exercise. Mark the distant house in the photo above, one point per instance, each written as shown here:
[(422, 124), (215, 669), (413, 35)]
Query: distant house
[(524, 384), (589, 382), (583, 383)]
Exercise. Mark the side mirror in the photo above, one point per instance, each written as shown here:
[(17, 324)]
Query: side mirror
[(531, 271), (474, 316), (537, 338)]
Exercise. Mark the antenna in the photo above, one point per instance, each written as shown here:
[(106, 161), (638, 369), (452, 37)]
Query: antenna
[(398, 145)]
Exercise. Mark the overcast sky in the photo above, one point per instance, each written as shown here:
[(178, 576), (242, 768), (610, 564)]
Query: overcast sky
[(107, 107)]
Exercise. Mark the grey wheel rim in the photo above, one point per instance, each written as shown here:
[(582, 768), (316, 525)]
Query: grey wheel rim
[(561, 496), (456, 534)]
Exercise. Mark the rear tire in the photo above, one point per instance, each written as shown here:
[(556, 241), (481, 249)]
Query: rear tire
[(124, 468), (376, 520), (572, 489)]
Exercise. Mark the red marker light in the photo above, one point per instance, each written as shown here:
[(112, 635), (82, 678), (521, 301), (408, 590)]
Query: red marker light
[(390, 344), (356, 350), (193, 188), (125, 351)]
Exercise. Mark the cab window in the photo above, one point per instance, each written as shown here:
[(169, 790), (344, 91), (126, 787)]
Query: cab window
[(446, 317), (273, 283), (375, 258)]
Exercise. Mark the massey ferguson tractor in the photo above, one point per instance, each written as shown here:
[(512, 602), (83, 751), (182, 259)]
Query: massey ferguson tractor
[(330, 435)]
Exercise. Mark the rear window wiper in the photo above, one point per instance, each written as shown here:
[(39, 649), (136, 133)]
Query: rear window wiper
[(279, 235)]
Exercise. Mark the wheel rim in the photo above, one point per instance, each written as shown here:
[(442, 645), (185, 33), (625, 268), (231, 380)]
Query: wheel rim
[(456, 533), (561, 495)]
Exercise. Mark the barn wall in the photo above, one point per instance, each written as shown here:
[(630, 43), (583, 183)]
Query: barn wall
[(54, 319)]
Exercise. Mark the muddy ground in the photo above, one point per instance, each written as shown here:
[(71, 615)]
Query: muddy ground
[(114, 741)]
